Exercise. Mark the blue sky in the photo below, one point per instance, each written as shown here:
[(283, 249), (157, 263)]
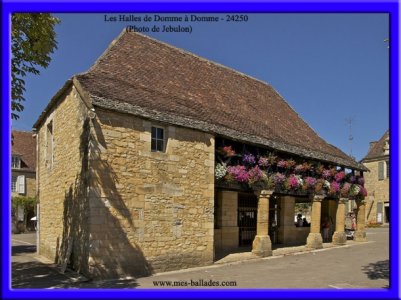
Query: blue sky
[(328, 67)]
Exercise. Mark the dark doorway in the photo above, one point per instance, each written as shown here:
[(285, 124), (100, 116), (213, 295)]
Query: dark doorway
[(247, 216), (387, 211)]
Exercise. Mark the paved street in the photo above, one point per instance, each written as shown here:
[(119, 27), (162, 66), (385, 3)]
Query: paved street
[(357, 265)]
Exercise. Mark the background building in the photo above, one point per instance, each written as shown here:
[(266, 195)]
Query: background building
[(377, 180), (23, 179)]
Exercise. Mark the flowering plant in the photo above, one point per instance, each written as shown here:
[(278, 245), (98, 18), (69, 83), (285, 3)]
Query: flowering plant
[(319, 169), (288, 175), (220, 171), (306, 166), (239, 173), (249, 159), (282, 164), (319, 186), (333, 172), (255, 174), (227, 151), (339, 176), (272, 158), (295, 181), (363, 192), (326, 174), (264, 161), (354, 190), (299, 168), (334, 187), (310, 182), (279, 178), (291, 163), (345, 189)]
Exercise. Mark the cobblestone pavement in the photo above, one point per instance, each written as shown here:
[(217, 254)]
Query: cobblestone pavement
[(355, 265)]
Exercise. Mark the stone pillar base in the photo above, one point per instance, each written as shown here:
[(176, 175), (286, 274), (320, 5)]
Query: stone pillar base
[(360, 236), (339, 238), (262, 246), (314, 241)]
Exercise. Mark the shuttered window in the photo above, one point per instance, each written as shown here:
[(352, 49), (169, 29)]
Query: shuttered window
[(387, 169), (21, 184), (381, 170)]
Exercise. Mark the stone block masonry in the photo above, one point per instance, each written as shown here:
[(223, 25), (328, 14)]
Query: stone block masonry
[(61, 168), (109, 206), (150, 211)]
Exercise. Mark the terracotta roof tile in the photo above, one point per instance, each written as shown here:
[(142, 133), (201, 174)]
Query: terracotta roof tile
[(24, 145), (142, 72), (377, 148)]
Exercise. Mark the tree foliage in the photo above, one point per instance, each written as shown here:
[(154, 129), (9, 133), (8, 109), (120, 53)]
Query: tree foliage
[(33, 39), (22, 201)]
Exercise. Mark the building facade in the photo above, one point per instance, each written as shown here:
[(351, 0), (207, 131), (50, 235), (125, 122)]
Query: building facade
[(23, 180), (147, 163), (377, 180)]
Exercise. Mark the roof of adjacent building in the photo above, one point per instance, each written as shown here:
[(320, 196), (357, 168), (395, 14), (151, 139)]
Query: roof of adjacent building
[(377, 148), (23, 144), (148, 78)]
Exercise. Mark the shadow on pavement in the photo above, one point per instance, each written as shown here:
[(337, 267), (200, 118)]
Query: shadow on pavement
[(377, 270), (17, 250), (34, 274), (30, 273), (39, 275)]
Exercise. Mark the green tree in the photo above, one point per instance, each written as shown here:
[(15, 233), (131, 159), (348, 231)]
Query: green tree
[(28, 204), (33, 39)]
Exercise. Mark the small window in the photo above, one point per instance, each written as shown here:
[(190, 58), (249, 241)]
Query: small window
[(13, 183), (15, 162), (158, 139), (388, 169), (49, 145), (381, 170)]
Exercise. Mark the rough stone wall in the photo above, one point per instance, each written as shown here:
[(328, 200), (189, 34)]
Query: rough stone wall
[(378, 190), (149, 211), (63, 227)]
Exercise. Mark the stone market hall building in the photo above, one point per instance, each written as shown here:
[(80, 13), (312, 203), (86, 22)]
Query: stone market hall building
[(156, 159)]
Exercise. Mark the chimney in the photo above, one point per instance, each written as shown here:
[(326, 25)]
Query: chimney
[(372, 144)]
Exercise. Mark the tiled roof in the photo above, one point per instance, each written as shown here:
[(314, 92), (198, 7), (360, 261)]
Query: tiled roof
[(377, 148), (142, 76), (24, 145)]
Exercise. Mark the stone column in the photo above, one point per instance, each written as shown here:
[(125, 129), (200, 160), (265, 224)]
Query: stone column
[(339, 237), (360, 233), (287, 234), (314, 239), (262, 245)]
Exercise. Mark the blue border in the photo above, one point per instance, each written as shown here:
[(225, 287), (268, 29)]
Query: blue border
[(385, 6)]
